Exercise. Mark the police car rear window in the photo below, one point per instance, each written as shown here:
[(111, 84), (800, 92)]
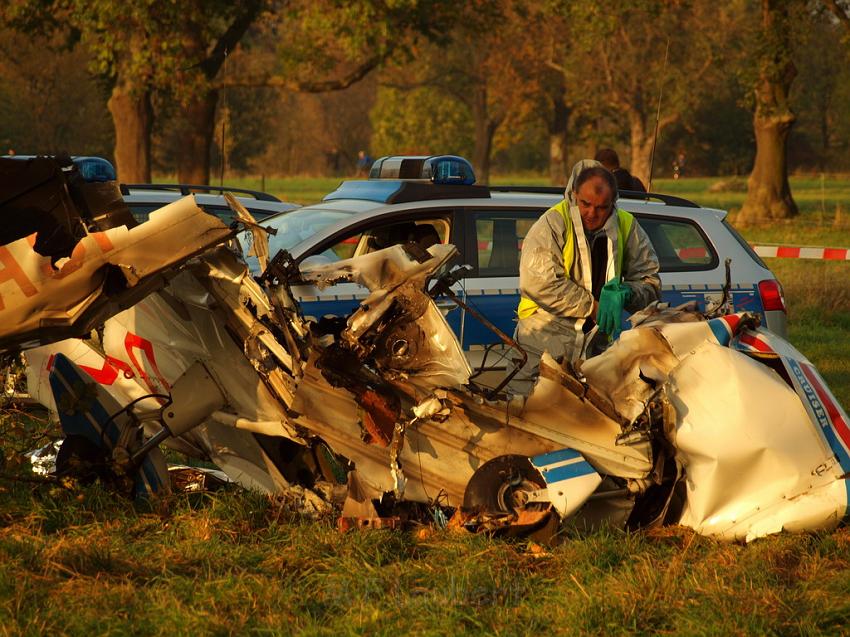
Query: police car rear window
[(499, 237), (680, 244), (746, 246)]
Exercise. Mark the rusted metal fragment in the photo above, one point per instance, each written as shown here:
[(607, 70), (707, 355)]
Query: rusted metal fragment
[(379, 416), (510, 524)]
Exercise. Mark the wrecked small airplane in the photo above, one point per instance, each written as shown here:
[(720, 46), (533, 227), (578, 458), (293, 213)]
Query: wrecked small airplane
[(709, 422)]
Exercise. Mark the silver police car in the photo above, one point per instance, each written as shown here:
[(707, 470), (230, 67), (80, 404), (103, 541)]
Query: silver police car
[(434, 199)]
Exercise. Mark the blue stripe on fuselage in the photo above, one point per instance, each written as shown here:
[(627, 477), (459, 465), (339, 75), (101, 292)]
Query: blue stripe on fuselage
[(553, 457), (567, 472)]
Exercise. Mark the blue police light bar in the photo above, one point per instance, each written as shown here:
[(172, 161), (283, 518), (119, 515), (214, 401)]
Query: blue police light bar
[(95, 168), (91, 168), (439, 169)]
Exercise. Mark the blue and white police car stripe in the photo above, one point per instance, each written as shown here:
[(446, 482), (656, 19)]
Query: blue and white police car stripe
[(569, 478)]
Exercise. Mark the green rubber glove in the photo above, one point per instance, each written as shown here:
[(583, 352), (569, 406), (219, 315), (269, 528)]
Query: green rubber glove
[(612, 300)]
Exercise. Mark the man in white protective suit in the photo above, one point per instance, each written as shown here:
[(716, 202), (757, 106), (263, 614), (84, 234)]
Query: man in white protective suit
[(583, 262)]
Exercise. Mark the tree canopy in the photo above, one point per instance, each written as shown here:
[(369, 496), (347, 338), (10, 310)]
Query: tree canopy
[(302, 86)]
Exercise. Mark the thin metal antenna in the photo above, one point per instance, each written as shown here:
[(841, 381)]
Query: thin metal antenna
[(658, 115), (224, 118)]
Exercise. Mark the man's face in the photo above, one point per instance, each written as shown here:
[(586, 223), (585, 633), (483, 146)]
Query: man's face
[(594, 203)]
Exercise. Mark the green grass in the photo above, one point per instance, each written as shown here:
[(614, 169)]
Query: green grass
[(84, 562)]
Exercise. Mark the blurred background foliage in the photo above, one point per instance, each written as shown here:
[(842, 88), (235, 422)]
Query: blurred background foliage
[(514, 85)]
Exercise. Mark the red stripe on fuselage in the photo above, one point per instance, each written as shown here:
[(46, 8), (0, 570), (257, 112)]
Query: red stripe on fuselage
[(755, 342), (835, 416)]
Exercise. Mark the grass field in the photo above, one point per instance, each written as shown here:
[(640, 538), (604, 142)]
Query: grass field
[(85, 562)]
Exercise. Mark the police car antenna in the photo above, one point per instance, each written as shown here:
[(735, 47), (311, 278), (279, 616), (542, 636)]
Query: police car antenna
[(658, 115)]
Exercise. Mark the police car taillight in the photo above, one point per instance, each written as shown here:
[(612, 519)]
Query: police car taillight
[(772, 297)]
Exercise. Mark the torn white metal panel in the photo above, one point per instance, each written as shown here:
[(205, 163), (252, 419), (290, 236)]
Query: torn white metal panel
[(631, 369), (437, 457), (239, 455), (419, 343), (119, 378), (753, 464), (160, 340), (580, 425), (147, 347), (222, 440), (259, 239), (40, 303), (380, 271)]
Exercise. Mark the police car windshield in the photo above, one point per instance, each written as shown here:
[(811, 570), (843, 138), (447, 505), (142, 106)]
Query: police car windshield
[(294, 227)]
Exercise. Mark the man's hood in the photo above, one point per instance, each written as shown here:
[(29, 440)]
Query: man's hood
[(580, 165)]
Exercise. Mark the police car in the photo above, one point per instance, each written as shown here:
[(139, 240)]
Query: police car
[(431, 199), (142, 199)]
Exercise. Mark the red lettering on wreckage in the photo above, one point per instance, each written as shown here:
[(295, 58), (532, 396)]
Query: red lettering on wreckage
[(12, 270), (108, 373), (838, 422)]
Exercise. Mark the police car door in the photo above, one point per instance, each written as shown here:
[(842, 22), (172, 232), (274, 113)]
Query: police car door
[(493, 243)]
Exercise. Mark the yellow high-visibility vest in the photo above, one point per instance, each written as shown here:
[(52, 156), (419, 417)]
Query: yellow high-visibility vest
[(527, 307)]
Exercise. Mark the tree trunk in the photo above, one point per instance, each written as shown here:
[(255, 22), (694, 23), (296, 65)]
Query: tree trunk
[(558, 124), (196, 136), (484, 130), (768, 193), (132, 116), (641, 149)]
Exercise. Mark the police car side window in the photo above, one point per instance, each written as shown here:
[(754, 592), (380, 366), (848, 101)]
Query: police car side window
[(680, 245), (499, 237), (425, 232)]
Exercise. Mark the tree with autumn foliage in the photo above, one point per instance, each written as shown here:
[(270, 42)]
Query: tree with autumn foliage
[(179, 49), (615, 60), (485, 66), (143, 47)]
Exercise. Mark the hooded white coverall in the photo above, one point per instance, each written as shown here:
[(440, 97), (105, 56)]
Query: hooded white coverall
[(563, 296)]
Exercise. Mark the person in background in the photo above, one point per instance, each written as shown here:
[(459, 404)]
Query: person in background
[(679, 165), (364, 163), (582, 263), (625, 180)]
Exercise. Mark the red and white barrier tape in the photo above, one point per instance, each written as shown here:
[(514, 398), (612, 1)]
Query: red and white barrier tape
[(778, 252), (803, 252)]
